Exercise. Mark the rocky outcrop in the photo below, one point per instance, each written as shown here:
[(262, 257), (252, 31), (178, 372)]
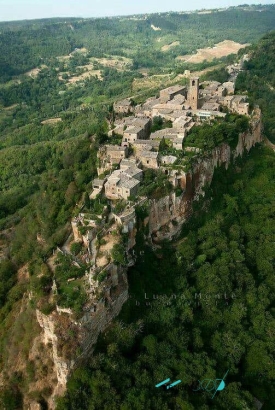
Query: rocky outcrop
[(50, 339), (105, 301)]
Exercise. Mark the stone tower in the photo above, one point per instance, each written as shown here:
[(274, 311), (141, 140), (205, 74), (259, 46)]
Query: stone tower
[(193, 96)]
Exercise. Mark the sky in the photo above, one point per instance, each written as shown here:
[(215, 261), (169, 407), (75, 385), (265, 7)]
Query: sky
[(33, 9)]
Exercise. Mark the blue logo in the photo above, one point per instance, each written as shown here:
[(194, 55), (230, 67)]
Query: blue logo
[(209, 385), (167, 381)]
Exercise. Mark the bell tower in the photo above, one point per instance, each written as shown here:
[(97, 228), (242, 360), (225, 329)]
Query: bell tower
[(193, 96)]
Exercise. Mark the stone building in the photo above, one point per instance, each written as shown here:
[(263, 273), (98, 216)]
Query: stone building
[(98, 185), (168, 159), (132, 134), (116, 153), (229, 86), (169, 93), (124, 106), (149, 159), (193, 93), (136, 128), (123, 183)]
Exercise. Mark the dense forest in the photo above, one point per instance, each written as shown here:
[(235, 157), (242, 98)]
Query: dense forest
[(259, 80), (50, 132)]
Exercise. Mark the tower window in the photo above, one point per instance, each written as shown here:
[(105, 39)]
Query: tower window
[(193, 83)]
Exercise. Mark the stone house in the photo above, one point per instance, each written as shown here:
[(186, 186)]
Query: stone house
[(237, 103), (221, 91), (168, 159), (145, 145), (243, 109), (176, 140), (206, 115), (123, 184), (124, 106), (210, 106), (132, 134), (136, 128), (149, 159), (229, 86), (182, 122), (115, 153), (169, 93), (227, 101), (127, 163), (98, 185)]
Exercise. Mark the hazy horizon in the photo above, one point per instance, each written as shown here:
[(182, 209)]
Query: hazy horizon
[(14, 10)]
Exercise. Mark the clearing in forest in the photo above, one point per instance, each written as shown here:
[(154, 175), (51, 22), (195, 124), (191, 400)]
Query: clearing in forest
[(168, 46), (35, 71), (118, 62), (222, 49), (51, 121), (87, 74)]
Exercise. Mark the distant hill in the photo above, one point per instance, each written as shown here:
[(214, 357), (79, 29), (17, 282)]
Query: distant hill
[(25, 44)]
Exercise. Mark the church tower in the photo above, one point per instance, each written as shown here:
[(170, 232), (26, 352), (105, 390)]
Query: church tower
[(193, 96)]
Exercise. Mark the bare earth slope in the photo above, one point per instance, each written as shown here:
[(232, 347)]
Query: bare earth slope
[(222, 49)]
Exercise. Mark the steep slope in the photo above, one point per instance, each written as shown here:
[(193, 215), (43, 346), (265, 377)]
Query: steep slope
[(259, 80)]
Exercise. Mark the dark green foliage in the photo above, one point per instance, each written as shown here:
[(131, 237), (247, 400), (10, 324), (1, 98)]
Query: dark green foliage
[(159, 123), (76, 248), (154, 184), (11, 398), (118, 254), (7, 279), (259, 81), (27, 45), (102, 276), (208, 136), (220, 75)]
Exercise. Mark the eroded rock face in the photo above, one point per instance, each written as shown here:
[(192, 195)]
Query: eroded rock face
[(61, 367), (99, 312)]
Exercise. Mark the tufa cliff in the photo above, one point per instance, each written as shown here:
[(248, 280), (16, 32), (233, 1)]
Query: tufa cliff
[(105, 297)]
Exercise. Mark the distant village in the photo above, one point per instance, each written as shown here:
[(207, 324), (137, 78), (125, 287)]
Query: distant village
[(180, 106)]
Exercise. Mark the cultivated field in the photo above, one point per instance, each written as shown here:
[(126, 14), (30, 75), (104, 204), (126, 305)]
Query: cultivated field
[(222, 49)]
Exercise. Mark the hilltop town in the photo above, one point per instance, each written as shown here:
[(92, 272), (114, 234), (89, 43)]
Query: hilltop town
[(145, 188), (145, 158), (175, 111)]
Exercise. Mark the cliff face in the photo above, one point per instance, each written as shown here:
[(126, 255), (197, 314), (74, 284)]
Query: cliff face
[(67, 340), (60, 366), (165, 220), (168, 214)]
